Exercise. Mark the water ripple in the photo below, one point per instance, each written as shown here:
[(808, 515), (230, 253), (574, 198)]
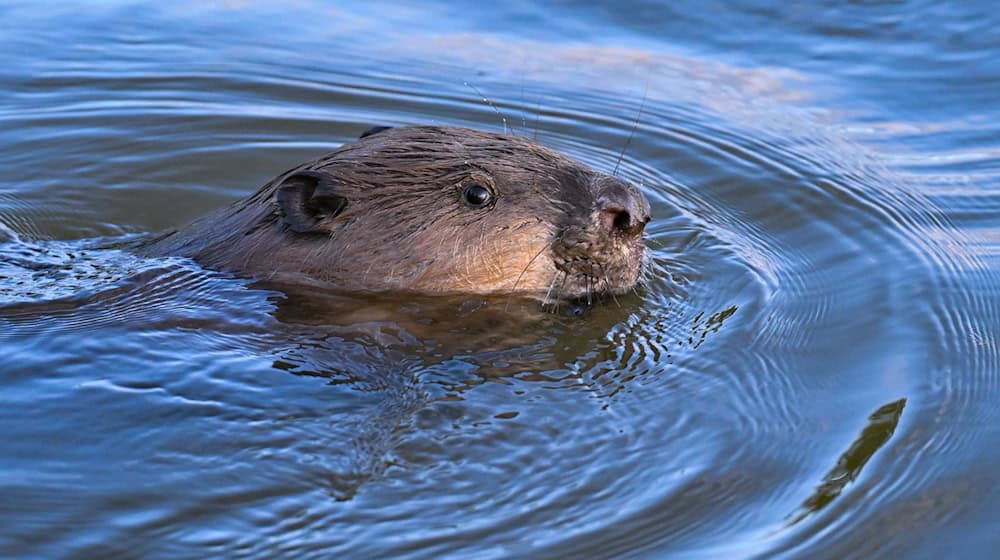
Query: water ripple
[(748, 399)]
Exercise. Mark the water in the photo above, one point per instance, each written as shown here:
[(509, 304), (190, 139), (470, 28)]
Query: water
[(811, 372)]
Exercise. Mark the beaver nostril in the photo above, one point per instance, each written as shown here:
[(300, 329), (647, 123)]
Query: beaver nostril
[(623, 209), (623, 221), (616, 219)]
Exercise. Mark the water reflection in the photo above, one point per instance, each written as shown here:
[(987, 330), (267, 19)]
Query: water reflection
[(881, 425)]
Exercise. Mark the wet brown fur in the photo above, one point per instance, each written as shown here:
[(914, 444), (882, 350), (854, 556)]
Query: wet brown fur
[(405, 226)]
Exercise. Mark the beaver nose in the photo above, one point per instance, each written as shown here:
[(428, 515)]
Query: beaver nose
[(623, 209)]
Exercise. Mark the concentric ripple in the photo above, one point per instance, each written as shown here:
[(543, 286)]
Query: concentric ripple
[(809, 368)]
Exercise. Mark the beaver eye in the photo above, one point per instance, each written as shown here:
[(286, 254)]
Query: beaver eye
[(476, 196)]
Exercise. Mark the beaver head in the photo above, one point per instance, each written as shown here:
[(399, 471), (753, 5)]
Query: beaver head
[(436, 209)]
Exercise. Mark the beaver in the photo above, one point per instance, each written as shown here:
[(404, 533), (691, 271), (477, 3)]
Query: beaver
[(432, 209)]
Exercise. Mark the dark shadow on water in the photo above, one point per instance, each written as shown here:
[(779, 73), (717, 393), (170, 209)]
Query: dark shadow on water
[(881, 425), (409, 351)]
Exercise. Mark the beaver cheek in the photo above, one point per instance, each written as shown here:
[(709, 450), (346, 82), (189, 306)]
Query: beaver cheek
[(525, 259)]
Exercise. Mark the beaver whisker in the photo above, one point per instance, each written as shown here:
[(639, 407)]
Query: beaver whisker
[(642, 281), (524, 116), (368, 270), (467, 257), (489, 101), (552, 284), (607, 281), (562, 282), (635, 125), (538, 115), (525, 269)]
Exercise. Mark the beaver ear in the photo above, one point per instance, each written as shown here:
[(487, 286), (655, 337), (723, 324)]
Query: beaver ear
[(373, 130), (307, 198)]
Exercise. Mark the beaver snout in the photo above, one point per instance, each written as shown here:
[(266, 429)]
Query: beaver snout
[(622, 209)]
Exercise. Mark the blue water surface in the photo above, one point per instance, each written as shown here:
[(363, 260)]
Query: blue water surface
[(811, 371)]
